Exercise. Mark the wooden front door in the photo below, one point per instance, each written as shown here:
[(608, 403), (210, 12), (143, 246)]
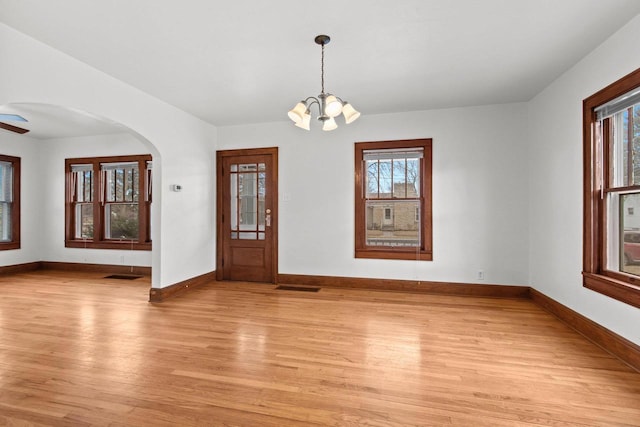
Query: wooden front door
[(247, 215)]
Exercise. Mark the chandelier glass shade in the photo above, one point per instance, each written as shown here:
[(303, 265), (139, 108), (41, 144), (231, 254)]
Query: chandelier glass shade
[(329, 106)]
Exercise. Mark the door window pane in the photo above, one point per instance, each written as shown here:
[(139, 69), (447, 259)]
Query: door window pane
[(248, 192)]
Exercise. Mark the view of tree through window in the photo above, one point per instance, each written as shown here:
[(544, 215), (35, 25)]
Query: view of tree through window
[(122, 191), (623, 199), (109, 202), (393, 199)]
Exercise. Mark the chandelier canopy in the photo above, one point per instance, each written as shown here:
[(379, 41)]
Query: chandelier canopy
[(329, 106)]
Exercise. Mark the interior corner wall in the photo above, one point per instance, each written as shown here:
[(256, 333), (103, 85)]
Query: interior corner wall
[(183, 146), (555, 156), (480, 202), (26, 148)]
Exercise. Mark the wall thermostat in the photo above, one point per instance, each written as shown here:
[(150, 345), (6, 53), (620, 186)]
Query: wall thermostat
[(176, 187)]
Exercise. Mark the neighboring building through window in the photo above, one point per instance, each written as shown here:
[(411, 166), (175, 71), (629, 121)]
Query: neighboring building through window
[(393, 199), (109, 202), (9, 202), (612, 190)]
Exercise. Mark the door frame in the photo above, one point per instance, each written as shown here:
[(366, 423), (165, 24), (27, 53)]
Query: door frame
[(220, 156)]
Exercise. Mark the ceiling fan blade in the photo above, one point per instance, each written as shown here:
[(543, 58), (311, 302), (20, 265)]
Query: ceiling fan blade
[(12, 128), (12, 118)]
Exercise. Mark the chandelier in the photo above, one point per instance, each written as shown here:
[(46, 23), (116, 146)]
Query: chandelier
[(329, 106)]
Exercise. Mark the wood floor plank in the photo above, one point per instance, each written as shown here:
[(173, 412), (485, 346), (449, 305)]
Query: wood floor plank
[(77, 349)]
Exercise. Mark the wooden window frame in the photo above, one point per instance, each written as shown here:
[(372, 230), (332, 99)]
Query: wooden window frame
[(620, 286), (99, 241), (425, 251), (15, 205)]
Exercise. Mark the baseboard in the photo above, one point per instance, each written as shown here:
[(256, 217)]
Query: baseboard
[(609, 341), (95, 268), (20, 268), (443, 288), (162, 294)]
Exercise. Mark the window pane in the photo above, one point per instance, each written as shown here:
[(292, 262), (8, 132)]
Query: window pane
[(5, 222), (625, 150), (633, 128), (84, 185), (121, 221), (121, 183), (248, 191), (397, 178), (630, 233), (400, 178), (248, 184), (6, 182), (84, 221), (262, 177), (384, 179), (371, 185), (393, 223), (413, 178)]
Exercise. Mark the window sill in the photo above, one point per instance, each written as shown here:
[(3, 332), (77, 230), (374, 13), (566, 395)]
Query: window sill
[(387, 254), (613, 288), (106, 244), (5, 246)]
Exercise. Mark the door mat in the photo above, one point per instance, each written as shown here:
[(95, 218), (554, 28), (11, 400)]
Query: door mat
[(296, 288)]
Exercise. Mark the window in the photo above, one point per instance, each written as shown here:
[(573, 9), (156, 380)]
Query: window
[(109, 202), (393, 199), (9, 202), (611, 259)]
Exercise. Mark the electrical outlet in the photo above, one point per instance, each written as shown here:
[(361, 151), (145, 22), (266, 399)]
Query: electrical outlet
[(480, 275)]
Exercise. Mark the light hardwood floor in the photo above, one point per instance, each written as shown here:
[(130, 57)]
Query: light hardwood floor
[(77, 349)]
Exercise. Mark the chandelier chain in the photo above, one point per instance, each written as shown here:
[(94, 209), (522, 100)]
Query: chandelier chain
[(322, 69)]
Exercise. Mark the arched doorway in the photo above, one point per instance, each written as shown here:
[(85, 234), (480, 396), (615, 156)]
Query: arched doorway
[(55, 133)]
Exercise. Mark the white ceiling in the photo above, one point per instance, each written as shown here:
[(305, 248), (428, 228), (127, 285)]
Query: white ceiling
[(250, 61), (52, 121)]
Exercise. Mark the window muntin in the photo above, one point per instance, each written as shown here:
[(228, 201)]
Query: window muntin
[(611, 118), (9, 202), (393, 185), (109, 202)]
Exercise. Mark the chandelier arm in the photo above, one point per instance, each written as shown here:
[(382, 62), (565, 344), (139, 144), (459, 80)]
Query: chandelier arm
[(315, 101)]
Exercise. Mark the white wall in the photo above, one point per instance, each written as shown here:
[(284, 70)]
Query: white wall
[(555, 153), (53, 153), (26, 148), (480, 211), (182, 146)]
